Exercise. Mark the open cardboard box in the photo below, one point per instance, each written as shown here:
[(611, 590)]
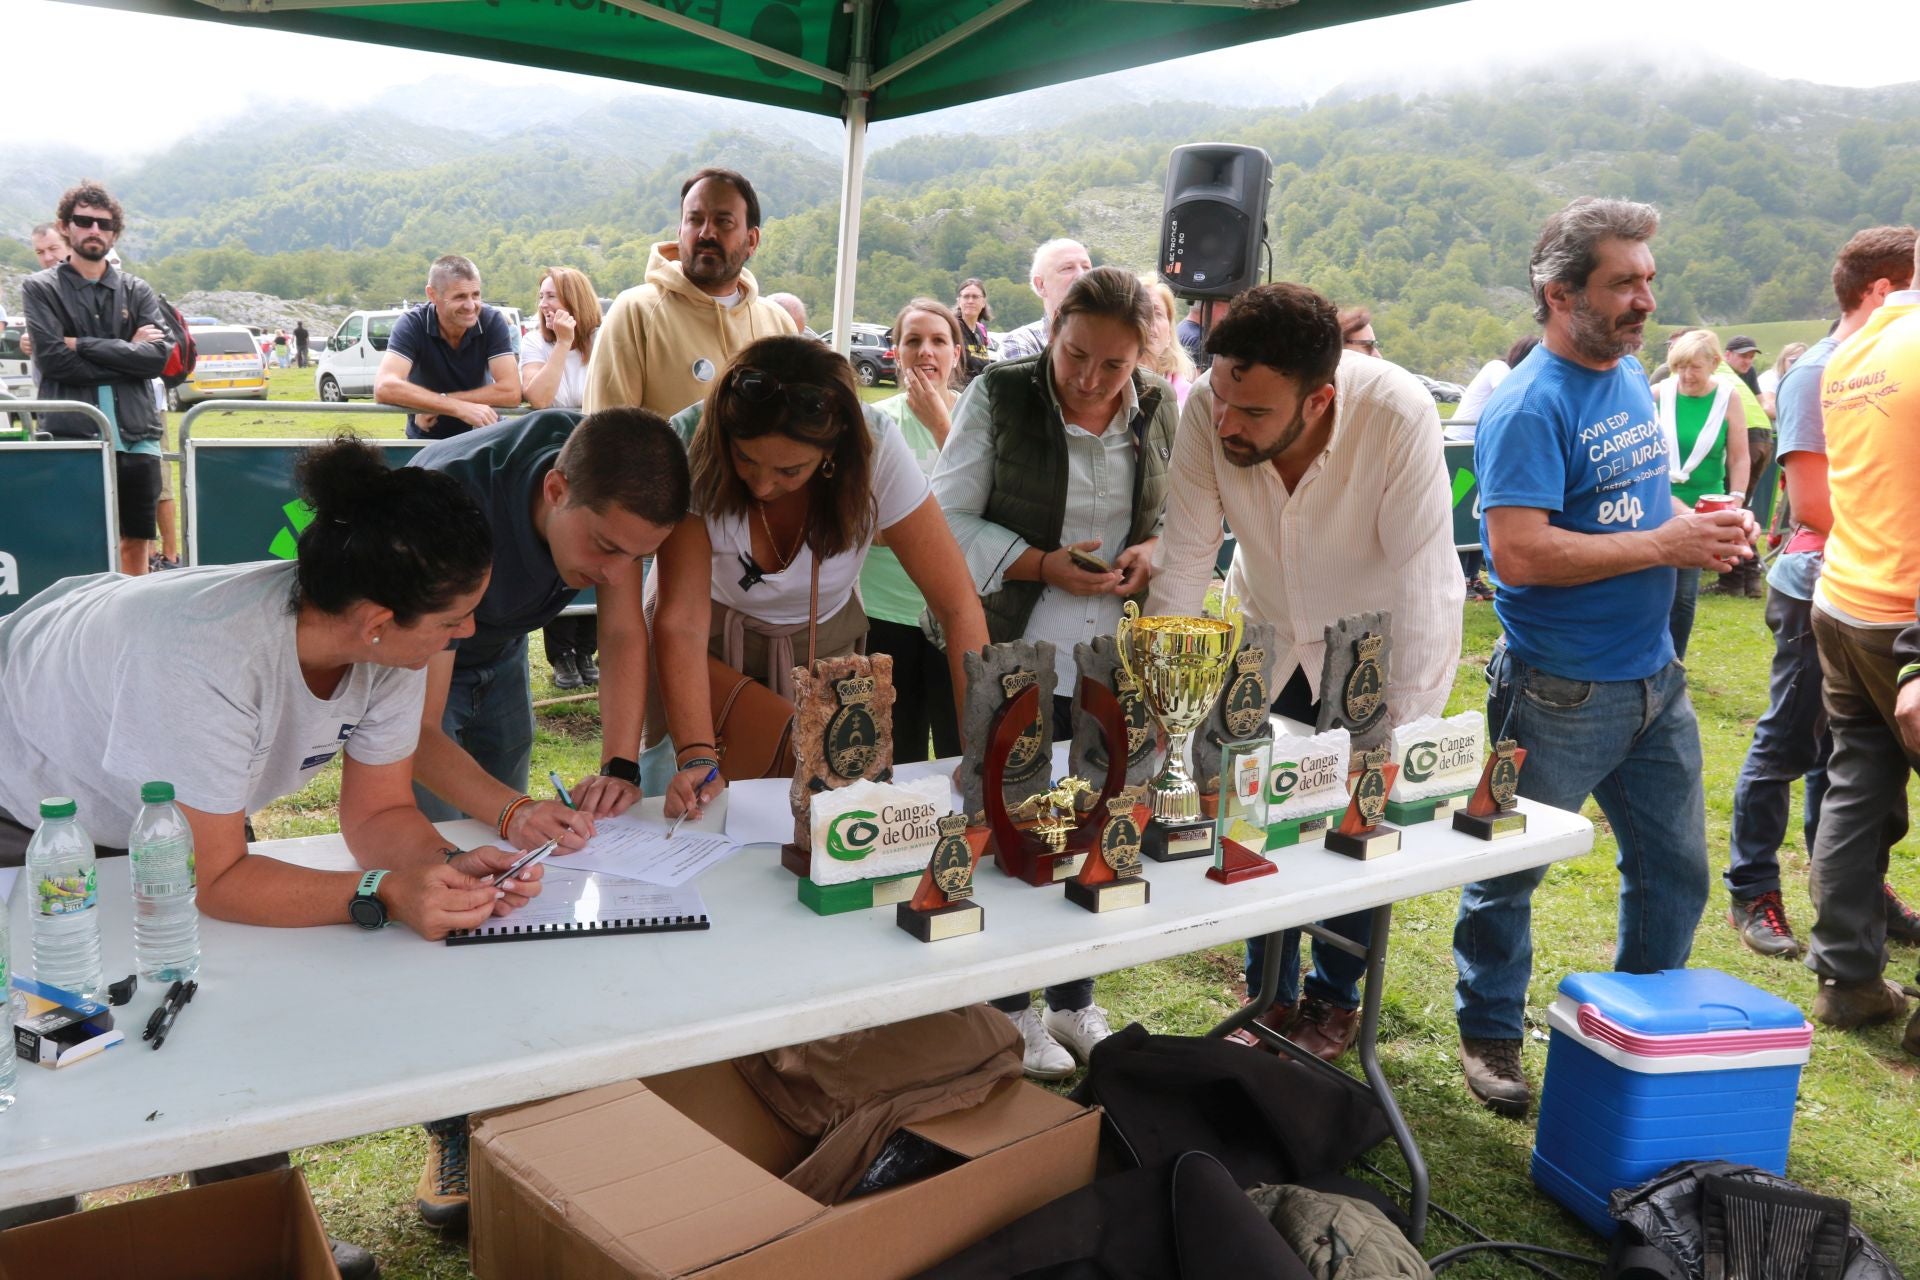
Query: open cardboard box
[(680, 1176), (261, 1227)]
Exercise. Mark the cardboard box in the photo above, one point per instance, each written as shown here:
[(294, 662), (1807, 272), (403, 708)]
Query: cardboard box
[(680, 1176), (261, 1227)]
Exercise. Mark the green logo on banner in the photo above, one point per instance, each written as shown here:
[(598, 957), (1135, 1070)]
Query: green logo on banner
[(851, 836), (1421, 760), (286, 543), (1462, 484)]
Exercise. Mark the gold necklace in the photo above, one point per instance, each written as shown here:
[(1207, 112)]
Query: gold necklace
[(773, 545)]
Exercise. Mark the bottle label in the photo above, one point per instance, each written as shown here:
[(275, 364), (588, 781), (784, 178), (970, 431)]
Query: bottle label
[(62, 895)]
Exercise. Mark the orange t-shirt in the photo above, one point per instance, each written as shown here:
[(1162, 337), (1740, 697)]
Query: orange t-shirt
[(1870, 401)]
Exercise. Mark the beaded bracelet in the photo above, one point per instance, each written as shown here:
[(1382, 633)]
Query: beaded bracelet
[(697, 762), (506, 814)]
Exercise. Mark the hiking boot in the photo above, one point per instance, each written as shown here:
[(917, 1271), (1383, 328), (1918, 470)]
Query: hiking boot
[(1846, 1005), (566, 672), (1493, 1074), (589, 669), (1078, 1030), (1762, 924), (1478, 588), (1903, 925), (1043, 1058), (1275, 1019), (442, 1194), (1755, 580), (1324, 1030)]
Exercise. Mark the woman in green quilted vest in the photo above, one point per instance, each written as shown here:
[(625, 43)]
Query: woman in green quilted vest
[(1054, 481)]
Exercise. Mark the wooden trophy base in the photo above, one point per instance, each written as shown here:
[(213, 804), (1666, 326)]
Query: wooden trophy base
[(1292, 831), (955, 920), (1236, 863), (1038, 867), (1494, 827), (795, 859), (1178, 841), (1114, 895), (1377, 843), (1433, 807), (857, 895)]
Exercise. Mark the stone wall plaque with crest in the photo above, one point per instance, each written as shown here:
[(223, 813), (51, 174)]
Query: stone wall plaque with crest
[(842, 733)]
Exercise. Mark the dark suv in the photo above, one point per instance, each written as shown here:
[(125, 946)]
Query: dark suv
[(871, 354)]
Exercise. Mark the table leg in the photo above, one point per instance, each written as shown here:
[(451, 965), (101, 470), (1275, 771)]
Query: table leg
[(1269, 984)]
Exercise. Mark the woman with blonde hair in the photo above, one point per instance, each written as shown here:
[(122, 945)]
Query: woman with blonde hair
[(553, 375), (1163, 355), (1705, 431)]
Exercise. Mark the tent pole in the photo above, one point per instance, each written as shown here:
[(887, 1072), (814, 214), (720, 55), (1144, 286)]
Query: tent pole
[(853, 166)]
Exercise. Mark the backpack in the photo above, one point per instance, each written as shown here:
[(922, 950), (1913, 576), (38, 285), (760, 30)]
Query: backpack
[(185, 352)]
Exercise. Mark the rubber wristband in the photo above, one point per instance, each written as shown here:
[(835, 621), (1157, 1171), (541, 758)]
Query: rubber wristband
[(699, 762), (1909, 672), (506, 816)]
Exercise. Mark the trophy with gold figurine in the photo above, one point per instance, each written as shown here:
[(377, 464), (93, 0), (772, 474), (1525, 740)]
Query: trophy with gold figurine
[(1178, 664)]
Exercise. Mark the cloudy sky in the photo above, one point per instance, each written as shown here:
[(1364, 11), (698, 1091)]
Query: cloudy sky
[(223, 72)]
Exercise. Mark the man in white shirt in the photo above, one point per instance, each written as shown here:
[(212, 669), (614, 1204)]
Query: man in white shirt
[(1328, 466)]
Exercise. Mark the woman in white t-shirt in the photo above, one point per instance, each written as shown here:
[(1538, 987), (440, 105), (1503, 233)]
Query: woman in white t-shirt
[(274, 670), (553, 375), (792, 479)]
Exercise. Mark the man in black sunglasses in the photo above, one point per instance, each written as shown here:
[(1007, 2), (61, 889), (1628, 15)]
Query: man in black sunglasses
[(100, 336)]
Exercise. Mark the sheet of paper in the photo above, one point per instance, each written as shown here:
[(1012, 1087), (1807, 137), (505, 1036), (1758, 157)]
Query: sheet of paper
[(569, 896), (636, 846)]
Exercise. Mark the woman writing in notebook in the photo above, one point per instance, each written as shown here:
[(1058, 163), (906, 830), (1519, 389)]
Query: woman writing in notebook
[(285, 666), (792, 481)]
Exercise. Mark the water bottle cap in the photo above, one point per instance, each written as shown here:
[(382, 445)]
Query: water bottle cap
[(58, 807), (156, 793)]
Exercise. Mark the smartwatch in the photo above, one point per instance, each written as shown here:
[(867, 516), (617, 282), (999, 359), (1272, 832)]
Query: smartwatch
[(622, 768), (366, 909)]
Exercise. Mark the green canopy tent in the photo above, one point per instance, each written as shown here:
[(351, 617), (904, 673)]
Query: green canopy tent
[(857, 60)]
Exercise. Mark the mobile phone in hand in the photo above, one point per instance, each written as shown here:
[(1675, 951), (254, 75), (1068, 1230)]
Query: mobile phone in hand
[(1088, 561)]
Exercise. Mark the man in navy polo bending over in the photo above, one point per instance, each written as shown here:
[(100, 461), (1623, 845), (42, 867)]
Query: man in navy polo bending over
[(450, 359), (1583, 537)]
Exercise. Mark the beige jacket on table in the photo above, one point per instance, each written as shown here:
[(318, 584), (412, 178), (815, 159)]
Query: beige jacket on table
[(665, 342)]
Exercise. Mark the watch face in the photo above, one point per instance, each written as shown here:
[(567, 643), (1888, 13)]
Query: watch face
[(367, 911)]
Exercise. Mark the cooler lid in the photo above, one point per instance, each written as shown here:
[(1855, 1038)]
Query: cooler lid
[(1681, 1002)]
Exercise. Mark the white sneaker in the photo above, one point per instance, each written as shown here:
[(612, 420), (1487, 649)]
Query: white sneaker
[(1045, 1059), (1078, 1030)]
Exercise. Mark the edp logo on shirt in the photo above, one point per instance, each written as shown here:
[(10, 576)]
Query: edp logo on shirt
[(1625, 509)]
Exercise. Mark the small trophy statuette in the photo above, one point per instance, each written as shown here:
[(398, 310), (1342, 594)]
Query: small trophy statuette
[(1110, 879), (1493, 811), (943, 907), (1362, 833)]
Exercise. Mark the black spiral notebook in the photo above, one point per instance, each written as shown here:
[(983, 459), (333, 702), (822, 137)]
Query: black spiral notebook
[(588, 904)]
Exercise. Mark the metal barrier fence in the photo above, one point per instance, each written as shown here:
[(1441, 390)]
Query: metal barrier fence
[(58, 517)]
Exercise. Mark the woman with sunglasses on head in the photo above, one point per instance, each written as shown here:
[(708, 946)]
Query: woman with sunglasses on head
[(1356, 331), (792, 481), (1055, 484)]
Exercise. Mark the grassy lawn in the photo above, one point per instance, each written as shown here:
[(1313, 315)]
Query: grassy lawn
[(1856, 1133)]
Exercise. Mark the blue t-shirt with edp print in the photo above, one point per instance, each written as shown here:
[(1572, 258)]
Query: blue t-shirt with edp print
[(1584, 445)]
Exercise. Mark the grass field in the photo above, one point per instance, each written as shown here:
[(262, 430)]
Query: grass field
[(1856, 1132)]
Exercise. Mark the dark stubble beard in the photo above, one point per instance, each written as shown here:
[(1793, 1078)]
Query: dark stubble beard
[(1596, 339), (709, 279), (1293, 431)]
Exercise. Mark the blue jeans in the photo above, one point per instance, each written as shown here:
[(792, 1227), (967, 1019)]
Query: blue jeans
[(1686, 601), (1635, 747), (1789, 741), (490, 714)]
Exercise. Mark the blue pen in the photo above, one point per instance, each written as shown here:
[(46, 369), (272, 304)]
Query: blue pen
[(712, 773), (553, 776)]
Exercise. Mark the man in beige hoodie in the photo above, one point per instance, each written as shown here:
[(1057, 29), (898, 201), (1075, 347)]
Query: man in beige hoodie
[(666, 342)]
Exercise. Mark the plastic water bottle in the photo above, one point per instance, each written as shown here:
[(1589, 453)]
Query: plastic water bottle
[(166, 922), (8, 1062), (66, 902)]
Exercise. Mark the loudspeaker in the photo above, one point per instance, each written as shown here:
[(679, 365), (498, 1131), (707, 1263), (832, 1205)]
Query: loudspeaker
[(1214, 218)]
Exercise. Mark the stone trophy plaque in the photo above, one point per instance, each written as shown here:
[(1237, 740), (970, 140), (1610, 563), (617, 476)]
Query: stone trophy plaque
[(995, 676), (1353, 678), (1179, 664), (842, 733), (1239, 714), (1439, 759), (1492, 813), (943, 906), (1362, 833), (1243, 813), (1087, 757), (1110, 879)]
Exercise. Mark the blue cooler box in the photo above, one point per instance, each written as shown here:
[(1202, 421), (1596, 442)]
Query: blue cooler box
[(1647, 1070)]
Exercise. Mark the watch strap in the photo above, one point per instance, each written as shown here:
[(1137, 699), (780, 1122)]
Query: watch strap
[(622, 768), (369, 889)]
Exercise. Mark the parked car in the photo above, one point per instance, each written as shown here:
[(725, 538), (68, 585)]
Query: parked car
[(871, 354), (349, 359), (1442, 392), (15, 375), (227, 366)]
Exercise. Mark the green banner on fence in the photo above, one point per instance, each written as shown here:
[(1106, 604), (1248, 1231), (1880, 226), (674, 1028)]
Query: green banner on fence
[(56, 515), (1466, 494), (242, 502)]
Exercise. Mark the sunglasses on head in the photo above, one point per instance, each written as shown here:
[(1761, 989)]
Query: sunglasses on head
[(756, 386), (1365, 344), (88, 222)]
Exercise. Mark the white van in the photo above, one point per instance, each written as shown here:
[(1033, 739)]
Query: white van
[(351, 358)]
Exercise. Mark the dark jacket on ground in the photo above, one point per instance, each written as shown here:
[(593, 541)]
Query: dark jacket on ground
[(60, 304)]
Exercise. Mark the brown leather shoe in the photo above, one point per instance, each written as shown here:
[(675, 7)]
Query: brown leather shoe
[(1324, 1030), (1847, 1005), (1494, 1076), (1274, 1019)]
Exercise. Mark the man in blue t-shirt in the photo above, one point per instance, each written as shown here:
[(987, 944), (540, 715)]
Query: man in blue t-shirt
[(1582, 537), (1791, 740), (452, 359)]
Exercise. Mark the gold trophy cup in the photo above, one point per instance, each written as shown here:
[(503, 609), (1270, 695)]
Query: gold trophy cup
[(1178, 664)]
